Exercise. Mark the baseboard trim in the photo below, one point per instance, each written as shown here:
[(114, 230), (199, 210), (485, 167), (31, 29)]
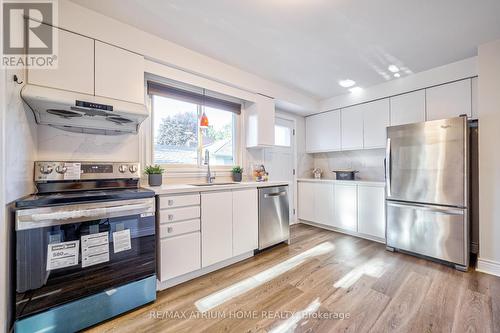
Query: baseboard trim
[(488, 266)]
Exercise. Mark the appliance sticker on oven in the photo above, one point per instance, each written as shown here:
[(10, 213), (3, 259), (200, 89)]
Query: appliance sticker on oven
[(95, 249), (121, 240), (60, 255), (73, 170)]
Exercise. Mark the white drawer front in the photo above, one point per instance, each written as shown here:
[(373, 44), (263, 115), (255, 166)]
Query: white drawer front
[(179, 255), (174, 201), (179, 214), (179, 228)]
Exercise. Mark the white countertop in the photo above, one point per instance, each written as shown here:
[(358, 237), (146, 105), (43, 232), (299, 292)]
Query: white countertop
[(186, 188), (356, 182)]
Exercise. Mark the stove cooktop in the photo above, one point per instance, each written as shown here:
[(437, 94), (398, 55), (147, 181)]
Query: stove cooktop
[(67, 198)]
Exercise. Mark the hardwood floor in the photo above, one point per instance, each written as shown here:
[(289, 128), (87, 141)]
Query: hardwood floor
[(324, 282)]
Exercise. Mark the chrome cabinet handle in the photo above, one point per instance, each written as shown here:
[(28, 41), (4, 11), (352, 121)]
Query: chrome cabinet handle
[(271, 195), (170, 217), (170, 230), (170, 202)]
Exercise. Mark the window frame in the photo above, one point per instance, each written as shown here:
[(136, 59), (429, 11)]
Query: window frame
[(182, 168)]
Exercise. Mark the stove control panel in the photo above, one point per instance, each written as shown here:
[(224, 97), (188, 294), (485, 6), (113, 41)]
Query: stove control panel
[(68, 170)]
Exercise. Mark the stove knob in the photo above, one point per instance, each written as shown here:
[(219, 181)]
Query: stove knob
[(123, 168), (61, 169), (46, 169), (133, 168)]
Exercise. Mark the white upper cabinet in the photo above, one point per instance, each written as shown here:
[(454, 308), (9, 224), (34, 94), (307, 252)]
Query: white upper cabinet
[(352, 127), (371, 210), (449, 100), (216, 227), (75, 65), (245, 221), (375, 122), (260, 122), (408, 108), (119, 74), (323, 132), (345, 207)]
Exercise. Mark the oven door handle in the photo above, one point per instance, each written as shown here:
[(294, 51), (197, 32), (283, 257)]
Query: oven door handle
[(88, 213)]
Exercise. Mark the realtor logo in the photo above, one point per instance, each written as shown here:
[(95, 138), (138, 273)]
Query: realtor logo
[(26, 41)]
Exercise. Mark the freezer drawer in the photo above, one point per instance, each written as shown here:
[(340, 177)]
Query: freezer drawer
[(434, 231), (274, 216)]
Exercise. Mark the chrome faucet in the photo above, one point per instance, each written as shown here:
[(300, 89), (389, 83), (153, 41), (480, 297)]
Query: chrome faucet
[(210, 178)]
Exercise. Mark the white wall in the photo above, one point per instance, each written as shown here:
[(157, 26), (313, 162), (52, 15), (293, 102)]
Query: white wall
[(489, 157)]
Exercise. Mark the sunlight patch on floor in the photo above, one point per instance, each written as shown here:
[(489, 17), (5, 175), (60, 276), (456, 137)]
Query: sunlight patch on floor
[(373, 267), (239, 288), (289, 325)]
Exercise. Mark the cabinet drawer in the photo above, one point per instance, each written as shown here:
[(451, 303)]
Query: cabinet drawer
[(179, 214), (174, 201), (179, 228), (179, 255)]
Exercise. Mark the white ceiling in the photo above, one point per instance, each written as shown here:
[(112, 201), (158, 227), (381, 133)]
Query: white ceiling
[(310, 45)]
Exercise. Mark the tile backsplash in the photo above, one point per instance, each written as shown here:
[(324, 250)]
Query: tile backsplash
[(369, 163)]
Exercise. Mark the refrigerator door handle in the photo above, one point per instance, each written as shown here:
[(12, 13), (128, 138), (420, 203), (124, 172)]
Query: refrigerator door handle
[(388, 167), (443, 210)]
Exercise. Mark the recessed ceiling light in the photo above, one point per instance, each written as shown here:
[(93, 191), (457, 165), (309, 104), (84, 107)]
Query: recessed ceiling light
[(397, 75), (393, 68), (347, 83), (356, 90)]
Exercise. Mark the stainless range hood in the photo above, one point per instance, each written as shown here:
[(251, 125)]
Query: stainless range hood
[(82, 113)]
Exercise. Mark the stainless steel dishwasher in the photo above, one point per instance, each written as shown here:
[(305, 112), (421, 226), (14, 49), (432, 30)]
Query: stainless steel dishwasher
[(274, 216)]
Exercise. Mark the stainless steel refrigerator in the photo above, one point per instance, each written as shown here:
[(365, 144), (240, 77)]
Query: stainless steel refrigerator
[(427, 190)]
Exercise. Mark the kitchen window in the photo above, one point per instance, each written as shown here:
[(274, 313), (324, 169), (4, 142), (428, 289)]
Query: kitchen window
[(180, 135)]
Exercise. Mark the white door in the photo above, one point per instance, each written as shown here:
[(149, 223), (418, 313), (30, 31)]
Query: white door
[(245, 221), (216, 227), (323, 132), (449, 100), (345, 207), (323, 203), (306, 201), (371, 210), (279, 160)]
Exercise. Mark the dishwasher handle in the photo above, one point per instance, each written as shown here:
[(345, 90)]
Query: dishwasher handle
[(274, 195)]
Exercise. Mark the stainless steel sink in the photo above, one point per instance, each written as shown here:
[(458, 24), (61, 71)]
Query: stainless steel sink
[(213, 184)]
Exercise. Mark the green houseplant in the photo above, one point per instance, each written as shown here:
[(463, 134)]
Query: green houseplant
[(237, 172), (154, 173)]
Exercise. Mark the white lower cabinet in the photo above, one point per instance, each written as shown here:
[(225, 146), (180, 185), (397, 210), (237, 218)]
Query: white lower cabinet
[(371, 210), (179, 255), (345, 207), (216, 227), (357, 208), (245, 221)]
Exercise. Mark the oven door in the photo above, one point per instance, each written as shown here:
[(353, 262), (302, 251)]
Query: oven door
[(67, 252)]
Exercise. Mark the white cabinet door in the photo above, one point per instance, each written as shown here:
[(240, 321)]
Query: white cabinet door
[(323, 203), (260, 122), (352, 128), (75, 65), (449, 100), (179, 255), (306, 201), (375, 122), (408, 108), (345, 207), (119, 74), (323, 132), (216, 227), (371, 210), (245, 221)]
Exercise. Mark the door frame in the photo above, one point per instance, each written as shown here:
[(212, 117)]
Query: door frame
[(285, 116)]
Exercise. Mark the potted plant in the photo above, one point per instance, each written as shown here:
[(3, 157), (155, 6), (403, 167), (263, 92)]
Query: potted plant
[(154, 173), (237, 172)]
